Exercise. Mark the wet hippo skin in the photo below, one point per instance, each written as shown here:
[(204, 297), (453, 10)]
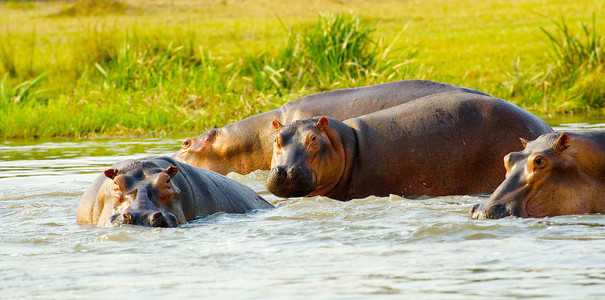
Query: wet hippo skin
[(161, 192), (559, 173), (247, 145), (451, 143)]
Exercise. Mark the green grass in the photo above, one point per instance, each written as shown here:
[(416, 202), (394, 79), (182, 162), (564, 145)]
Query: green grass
[(579, 61), (135, 67)]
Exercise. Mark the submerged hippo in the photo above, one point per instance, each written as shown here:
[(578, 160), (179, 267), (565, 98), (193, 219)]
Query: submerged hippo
[(557, 174), (161, 192), (443, 144), (246, 146)]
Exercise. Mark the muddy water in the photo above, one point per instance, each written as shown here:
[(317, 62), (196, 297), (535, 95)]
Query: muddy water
[(306, 248)]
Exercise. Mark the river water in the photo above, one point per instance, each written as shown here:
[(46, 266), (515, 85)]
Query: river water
[(314, 248)]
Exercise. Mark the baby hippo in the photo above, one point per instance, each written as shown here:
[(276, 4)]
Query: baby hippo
[(557, 174), (161, 192)]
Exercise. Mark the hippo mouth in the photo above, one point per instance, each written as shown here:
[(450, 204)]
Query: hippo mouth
[(177, 155), (530, 211), (294, 182)]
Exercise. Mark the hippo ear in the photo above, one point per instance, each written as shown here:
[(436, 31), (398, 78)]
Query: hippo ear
[(562, 142), (524, 142), (277, 125), (111, 173), (172, 170), (322, 124)]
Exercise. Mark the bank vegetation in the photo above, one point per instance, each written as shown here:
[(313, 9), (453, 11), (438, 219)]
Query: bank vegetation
[(106, 67)]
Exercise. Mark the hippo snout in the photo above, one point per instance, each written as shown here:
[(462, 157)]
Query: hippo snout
[(159, 219), (124, 219), (475, 210), (152, 219), (278, 173), (494, 211), (295, 181)]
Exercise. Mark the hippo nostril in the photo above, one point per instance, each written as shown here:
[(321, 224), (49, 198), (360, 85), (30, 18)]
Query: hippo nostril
[(171, 220), (279, 173), (187, 143), (474, 209), (157, 216), (294, 172), (158, 220), (122, 219), (496, 211)]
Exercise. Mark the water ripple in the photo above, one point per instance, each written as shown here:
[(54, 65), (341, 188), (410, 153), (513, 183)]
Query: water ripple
[(305, 248)]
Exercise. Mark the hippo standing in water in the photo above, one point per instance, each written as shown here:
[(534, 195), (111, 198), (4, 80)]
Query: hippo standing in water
[(247, 145), (161, 192), (557, 174), (443, 144)]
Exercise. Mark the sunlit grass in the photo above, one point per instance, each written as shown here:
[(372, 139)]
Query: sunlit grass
[(138, 67)]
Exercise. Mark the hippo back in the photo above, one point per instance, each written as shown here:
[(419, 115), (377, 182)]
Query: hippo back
[(343, 104), (442, 144), (207, 192)]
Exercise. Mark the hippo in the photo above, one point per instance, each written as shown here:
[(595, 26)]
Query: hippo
[(246, 146), (161, 192), (559, 173), (450, 143)]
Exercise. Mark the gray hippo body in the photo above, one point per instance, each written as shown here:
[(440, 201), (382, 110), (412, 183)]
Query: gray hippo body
[(247, 145), (442, 144), (162, 192)]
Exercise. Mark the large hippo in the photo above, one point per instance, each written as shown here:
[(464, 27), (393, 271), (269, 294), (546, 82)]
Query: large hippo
[(557, 174), (161, 192), (246, 146), (442, 144)]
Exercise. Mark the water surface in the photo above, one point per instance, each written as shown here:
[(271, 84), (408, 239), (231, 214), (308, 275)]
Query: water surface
[(306, 248)]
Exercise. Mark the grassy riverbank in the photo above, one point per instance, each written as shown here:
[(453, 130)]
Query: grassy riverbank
[(150, 67)]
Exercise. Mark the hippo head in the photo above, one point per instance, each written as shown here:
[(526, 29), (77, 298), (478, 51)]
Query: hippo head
[(307, 158), (202, 152), (144, 195), (542, 180)]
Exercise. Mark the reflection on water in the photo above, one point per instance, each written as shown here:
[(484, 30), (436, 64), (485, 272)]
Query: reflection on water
[(306, 248)]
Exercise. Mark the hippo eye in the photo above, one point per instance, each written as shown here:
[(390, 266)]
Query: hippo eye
[(539, 161)]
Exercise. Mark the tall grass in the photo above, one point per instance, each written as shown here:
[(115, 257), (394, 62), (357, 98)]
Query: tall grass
[(574, 54), (339, 47), (573, 80), (337, 50), (578, 65), (134, 81)]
